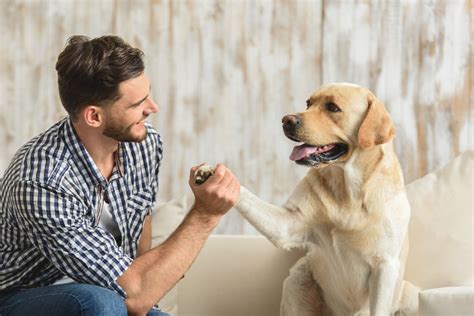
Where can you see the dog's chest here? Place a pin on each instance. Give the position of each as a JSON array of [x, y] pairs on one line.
[[339, 267]]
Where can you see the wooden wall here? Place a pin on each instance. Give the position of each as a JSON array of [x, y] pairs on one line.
[[224, 72]]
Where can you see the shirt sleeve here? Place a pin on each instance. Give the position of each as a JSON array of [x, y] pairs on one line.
[[58, 225]]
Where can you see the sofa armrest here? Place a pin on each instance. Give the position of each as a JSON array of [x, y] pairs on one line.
[[235, 275], [444, 301]]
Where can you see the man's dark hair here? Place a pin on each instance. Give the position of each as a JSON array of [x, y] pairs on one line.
[[90, 71]]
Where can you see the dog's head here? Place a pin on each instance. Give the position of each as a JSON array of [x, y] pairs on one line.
[[339, 119]]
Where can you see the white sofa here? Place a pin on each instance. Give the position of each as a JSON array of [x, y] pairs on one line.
[[243, 275]]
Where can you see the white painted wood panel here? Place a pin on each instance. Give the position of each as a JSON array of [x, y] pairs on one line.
[[225, 72]]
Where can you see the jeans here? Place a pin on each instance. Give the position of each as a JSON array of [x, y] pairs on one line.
[[65, 299]]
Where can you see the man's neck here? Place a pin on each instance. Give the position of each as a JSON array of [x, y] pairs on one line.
[[101, 148]]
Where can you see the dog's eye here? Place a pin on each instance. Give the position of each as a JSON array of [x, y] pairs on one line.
[[308, 103], [331, 107]]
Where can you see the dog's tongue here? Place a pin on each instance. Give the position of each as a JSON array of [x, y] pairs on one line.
[[302, 151]]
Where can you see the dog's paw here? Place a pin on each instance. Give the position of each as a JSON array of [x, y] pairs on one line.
[[203, 173]]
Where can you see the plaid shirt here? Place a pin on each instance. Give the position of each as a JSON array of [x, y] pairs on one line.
[[51, 199]]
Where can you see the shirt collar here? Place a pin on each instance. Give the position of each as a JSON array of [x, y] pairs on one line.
[[120, 159]]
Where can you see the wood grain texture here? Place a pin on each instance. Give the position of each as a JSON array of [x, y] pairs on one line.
[[225, 72]]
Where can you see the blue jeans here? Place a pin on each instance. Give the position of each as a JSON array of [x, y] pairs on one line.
[[65, 299]]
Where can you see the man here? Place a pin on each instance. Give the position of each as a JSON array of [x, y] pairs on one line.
[[75, 201]]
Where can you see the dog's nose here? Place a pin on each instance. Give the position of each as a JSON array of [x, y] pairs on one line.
[[290, 122]]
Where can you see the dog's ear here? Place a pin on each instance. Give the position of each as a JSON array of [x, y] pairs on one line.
[[377, 127]]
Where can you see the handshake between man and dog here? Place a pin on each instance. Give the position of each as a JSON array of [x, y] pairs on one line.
[[350, 212]]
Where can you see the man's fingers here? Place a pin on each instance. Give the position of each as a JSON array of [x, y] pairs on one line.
[[235, 190], [226, 181], [216, 178], [222, 182], [231, 186], [236, 187]]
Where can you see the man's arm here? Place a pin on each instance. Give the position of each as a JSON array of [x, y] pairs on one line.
[[155, 272]]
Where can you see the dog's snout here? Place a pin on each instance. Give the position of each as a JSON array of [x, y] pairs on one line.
[[290, 122]]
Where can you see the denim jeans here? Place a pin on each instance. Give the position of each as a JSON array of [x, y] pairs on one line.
[[65, 299]]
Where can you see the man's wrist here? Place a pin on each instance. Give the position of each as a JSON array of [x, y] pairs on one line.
[[203, 217]]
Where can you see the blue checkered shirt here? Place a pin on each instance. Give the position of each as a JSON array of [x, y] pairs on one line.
[[51, 198]]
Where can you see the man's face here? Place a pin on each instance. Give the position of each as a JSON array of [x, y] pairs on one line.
[[124, 120]]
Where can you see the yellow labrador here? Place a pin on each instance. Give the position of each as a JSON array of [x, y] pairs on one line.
[[350, 211]]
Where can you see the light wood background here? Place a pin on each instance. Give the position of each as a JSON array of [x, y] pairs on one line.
[[225, 72]]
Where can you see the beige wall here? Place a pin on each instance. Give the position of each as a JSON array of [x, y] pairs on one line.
[[225, 72]]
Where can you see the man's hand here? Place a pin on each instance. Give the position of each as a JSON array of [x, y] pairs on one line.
[[217, 195]]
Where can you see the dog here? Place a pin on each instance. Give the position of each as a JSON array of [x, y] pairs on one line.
[[350, 212]]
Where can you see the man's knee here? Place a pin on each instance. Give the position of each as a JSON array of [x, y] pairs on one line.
[[96, 300]]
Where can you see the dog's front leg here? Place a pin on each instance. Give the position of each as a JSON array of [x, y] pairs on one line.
[[280, 225], [382, 285]]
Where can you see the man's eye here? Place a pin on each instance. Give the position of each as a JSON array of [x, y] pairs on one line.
[[332, 107]]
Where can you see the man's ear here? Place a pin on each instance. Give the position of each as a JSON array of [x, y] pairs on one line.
[[377, 127], [92, 115]]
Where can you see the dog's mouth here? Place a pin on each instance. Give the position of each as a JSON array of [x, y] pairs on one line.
[[312, 155]]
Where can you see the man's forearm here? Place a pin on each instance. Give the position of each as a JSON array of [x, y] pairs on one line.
[[154, 273], [144, 243]]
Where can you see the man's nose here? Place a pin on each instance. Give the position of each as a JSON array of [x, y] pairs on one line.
[[290, 122], [151, 107]]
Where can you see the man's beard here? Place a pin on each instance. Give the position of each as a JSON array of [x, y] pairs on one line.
[[123, 134]]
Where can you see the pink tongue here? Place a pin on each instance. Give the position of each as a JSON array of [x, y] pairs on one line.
[[302, 151]]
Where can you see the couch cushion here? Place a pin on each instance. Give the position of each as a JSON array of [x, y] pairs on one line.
[[447, 301], [166, 218], [441, 226], [236, 275]]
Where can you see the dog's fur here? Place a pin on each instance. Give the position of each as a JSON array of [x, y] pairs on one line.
[[350, 212]]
